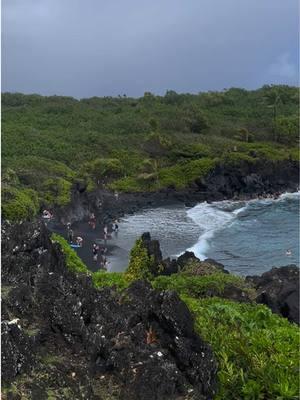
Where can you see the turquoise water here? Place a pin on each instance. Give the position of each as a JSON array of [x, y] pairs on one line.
[[248, 237]]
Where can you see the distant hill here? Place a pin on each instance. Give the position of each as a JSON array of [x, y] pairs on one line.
[[131, 144]]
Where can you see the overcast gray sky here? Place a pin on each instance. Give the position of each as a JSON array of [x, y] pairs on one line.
[[85, 48]]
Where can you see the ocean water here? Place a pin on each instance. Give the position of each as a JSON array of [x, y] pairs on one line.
[[248, 237]]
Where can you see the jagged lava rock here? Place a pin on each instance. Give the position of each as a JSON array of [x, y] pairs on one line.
[[153, 247], [279, 290], [103, 335]]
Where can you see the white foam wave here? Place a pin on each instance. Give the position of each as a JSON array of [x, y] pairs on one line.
[[287, 195], [217, 215], [211, 218]]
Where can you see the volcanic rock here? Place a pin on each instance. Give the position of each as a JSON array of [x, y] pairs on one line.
[[61, 335], [279, 290]]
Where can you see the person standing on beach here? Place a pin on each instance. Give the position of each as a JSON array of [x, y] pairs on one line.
[[105, 233], [95, 252], [70, 235], [115, 226], [105, 266], [92, 221]]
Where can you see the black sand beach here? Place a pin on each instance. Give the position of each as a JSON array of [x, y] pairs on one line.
[[90, 236]]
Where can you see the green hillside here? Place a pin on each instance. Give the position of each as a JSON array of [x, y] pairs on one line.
[[142, 144]]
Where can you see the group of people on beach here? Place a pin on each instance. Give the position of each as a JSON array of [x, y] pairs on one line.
[[102, 251], [98, 252]]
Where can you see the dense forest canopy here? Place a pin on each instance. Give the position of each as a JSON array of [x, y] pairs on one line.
[[130, 144]]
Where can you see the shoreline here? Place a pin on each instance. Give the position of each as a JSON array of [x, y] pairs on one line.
[[243, 182], [114, 251]]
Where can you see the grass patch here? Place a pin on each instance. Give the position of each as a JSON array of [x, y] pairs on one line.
[[200, 286], [109, 279]]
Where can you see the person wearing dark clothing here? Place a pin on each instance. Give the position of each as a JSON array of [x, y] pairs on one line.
[[115, 226], [70, 235]]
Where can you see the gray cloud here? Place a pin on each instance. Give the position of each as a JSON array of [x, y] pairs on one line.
[[88, 48]]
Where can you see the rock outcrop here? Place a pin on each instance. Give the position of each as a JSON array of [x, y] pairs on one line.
[[279, 290], [153, 248], [187, 262], [226, 182], [65, 339]]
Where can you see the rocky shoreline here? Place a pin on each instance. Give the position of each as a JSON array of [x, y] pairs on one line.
[[245, 182], [62, 336], [60, 333]]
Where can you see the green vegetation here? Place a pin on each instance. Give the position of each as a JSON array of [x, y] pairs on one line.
[[140, 264], [201, 286], [19, 204], [257, 351], [127, 144], [154, 142], [73, 261], [110, 279]]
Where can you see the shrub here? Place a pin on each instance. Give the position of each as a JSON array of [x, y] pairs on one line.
[[19, 204], [9, 177], [57, 191], [200, 286], [140, 263], [294, 154], [104, 168], [235, 159], [182, 174], [156, 145], [257, 351], [128, 184]]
